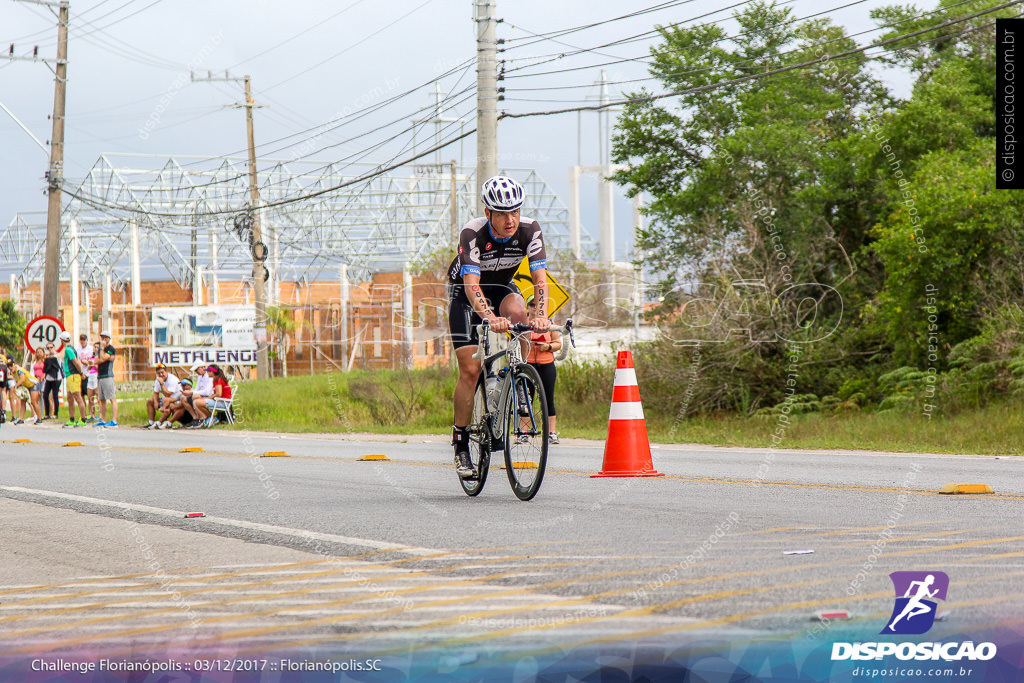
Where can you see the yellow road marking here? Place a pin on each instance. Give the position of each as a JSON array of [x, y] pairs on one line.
[[285, 594], [324, 560], [589, 599], [125, 577], [899, 539], [871, 528]]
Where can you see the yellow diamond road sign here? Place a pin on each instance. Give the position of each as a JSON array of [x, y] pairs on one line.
[[558, 295]]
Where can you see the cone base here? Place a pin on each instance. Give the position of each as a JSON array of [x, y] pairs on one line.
[[629, 474]]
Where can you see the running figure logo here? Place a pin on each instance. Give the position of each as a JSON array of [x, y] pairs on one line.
[[914, 612]]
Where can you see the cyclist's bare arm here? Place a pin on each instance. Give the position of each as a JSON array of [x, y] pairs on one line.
[[540, 292], [479, 303]]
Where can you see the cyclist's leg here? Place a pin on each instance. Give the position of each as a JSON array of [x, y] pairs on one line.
[[469, 372], [461, 320]]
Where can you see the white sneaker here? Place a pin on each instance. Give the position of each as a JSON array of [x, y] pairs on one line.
[[553, 437], [152, 425], [164, 425]]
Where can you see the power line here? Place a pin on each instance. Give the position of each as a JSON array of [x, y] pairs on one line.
[[643, 60], [350, 47], [766, 74], [740, 64], [291, 200], [355, 116], [301, 33], [630, 39], [564, 32]]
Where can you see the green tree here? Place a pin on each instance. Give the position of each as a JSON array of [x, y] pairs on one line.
[[953, 251], [758, 202], [12, 327]]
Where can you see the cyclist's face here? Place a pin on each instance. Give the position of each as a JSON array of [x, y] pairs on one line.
[[504, 222]]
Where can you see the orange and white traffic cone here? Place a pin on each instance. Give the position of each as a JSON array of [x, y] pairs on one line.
[[627, 452]]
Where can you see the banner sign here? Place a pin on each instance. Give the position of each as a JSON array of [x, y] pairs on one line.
[[211, 334]]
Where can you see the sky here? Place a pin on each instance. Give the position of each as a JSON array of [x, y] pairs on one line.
[[310, 60]]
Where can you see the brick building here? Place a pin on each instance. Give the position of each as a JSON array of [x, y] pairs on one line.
[[378, 333]]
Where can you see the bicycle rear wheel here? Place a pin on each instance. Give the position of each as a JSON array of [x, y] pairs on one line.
[[526, 433], [479, 442]]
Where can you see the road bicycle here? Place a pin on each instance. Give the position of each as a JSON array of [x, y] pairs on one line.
[[510, 413]]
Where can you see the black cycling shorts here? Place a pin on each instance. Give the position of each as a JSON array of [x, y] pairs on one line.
[[462, 319]]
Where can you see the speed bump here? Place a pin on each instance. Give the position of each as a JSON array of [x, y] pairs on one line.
[[276, 454], [23, 441], [374, 456], [966, 488], [73, 443], [523, 465], [192, 449]]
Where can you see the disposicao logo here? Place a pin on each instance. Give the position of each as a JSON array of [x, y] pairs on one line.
[[914, 612]]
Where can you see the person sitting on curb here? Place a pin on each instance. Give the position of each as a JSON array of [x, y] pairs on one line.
[[166, 390]]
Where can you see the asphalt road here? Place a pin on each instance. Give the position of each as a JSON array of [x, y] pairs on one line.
[[319, 549]]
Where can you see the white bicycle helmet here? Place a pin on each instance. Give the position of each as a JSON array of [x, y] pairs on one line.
[[501, 193]]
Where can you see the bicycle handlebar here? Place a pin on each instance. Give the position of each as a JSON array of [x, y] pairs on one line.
[[482, 349]]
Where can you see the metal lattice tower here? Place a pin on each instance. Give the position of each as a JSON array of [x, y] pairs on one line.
[[185, 206]]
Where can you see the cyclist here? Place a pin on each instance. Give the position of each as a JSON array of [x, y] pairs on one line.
[[480, 287]]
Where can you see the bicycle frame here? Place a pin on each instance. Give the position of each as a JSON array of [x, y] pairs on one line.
[[507, 388]]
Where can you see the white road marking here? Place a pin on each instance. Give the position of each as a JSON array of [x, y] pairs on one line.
[[224, 521]]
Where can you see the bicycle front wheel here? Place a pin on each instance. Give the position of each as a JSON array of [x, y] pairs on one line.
[[526, 432], [479, 442]]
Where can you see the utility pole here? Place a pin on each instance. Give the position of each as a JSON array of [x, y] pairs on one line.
[[259, 271], [454, 199], [55, 176], [55, 173], [486, 94]]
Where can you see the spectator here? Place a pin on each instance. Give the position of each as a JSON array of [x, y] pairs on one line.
[[21, 395], [51, 388], [177, 413], [84, 349], [166, 390], [73, 369], [39, 373], [220, 400], [105, 380], [3, 386], [92, 381], [203, 390], [542, 357]]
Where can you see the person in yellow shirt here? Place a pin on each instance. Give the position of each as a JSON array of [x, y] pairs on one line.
[[21, 396]]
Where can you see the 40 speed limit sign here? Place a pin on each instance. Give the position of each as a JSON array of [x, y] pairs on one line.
[[42, 331]]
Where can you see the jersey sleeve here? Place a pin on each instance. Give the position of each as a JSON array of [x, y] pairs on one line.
[[469, 252], [535, 251]]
